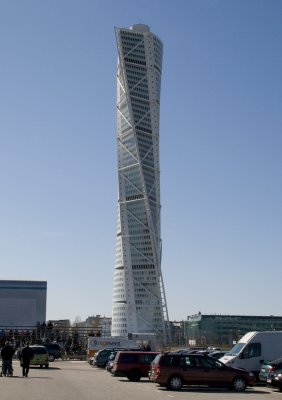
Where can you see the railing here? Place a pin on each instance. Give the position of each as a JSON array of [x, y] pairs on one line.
[[72, 339]]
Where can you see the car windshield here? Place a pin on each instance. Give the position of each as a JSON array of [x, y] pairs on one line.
[[102, 352], [236, 349], [207, 362]]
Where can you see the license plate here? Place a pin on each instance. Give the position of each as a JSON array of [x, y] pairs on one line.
[[268, 380]]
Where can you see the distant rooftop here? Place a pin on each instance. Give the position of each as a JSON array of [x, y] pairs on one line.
[[22, 284]]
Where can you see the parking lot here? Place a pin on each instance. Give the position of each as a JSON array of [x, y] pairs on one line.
[[72, 380]]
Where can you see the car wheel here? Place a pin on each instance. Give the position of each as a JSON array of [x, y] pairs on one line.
[[134, 375], [175, 383], [239, 384], [41, 366], [51, 357], [46, 365]]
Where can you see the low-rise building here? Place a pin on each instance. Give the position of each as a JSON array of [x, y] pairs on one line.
[[95, 325], [225, 330]]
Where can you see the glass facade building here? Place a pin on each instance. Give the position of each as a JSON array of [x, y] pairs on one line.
[[22, 303], [225, 330], [139, 303]]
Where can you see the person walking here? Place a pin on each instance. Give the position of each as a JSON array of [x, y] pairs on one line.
[[7, 355], [26, 356]]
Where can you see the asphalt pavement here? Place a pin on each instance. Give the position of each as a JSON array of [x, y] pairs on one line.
[[77, 380]]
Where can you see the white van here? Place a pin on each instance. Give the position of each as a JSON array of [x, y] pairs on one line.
[[253, 349]]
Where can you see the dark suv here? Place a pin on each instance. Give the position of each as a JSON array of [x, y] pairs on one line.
[[133, 364], [173, 370], [102, 356], [54, 351]]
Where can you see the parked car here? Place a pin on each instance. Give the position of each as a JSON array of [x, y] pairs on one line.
[[269, 367], [173, 370], [54, 351], [217, 354], [40, 356], [91, 360], [109, 366], [274, 379], [102, 356], [110, 362], [188, 350], [133, 364]]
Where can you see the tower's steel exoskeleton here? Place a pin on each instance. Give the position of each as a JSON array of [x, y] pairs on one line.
[[139, 303]]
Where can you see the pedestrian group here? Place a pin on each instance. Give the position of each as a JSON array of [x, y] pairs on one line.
[[25, 355]]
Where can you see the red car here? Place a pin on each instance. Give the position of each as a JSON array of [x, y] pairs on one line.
[[173, 370], [133, 364]]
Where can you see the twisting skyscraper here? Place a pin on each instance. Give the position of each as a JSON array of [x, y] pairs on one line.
[[139, 304]]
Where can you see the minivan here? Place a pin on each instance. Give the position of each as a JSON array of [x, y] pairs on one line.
[[173, 370], [133, 364], [40, 356]]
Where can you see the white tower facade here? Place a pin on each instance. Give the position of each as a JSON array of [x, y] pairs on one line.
[[139, 303]]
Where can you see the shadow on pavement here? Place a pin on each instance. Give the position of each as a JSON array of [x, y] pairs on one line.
[[248, 391]]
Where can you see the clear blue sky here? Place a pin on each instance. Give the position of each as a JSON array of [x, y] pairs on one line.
[[220, 151]]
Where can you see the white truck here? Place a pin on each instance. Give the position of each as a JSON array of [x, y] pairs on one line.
[[136, 341], [253, 349], [98, 343]]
